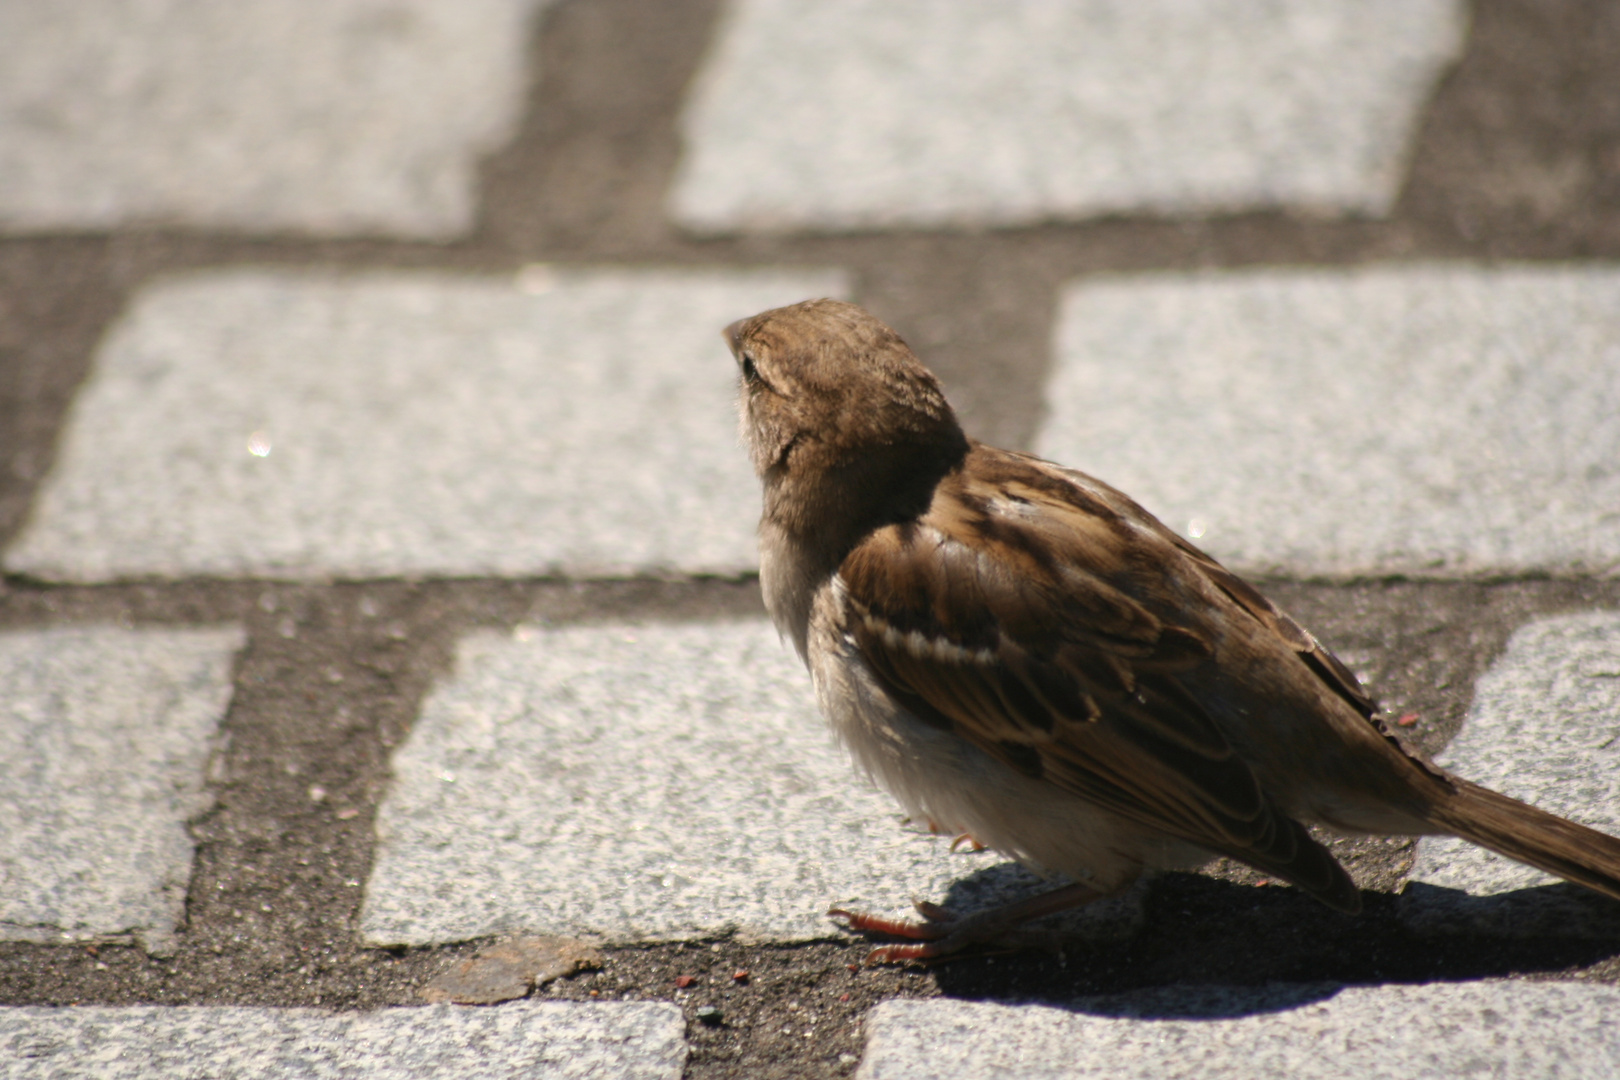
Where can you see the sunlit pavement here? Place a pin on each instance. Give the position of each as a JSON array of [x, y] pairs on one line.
[[379, 545]]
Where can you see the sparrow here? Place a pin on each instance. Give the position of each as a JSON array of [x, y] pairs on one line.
[[1021, 654]]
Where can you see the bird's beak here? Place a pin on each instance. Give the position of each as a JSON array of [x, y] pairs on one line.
[[731, 334]]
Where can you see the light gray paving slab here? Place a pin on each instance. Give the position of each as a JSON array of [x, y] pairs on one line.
[[647, 783], [1425, 419], [1504, 1030], [105, 735], [298, 425], [1545, 728], [878, 113], [365, 117], [531, 1040]]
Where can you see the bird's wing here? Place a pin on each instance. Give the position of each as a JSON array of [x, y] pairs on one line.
[[1010, 613], [1328, 667], [1271, 620]]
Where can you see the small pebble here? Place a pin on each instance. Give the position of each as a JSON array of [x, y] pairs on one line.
[[683, 981], [709, 1015]]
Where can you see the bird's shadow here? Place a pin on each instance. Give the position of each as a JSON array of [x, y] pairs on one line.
[[1559, 910], [1188, 946]]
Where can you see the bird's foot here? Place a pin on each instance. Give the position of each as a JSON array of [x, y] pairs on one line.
[[943, 932], [934, 936]]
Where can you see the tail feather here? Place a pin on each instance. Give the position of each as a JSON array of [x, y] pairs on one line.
[[1534, 837]]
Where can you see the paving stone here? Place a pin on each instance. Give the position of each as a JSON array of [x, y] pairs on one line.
[[1505, 1030], [1544, 728], [293, 425], [105, 735], [532, 1040], [1031, 110], [1427, 419], [365, 117], [639, 783]]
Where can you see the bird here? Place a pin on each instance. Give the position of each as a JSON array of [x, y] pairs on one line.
[[1021, 654]]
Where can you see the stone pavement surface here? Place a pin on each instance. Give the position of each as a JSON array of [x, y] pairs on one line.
[[105, 738], [1430, 1032], [1397, 419], [378, 549], [1026, 110], [1545, 728], [289, 425], [535, 1041], [643, 783], [262, 116]]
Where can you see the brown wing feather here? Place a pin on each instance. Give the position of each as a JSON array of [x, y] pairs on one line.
[[1326, 666], [1322, 663], [1010, 629]]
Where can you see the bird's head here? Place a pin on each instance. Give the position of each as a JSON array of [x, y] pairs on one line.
[[824, 385], [847, 429]]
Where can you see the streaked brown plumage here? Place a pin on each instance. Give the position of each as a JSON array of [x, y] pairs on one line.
[[1021, 653]]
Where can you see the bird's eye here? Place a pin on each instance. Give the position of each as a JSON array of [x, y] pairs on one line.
[[749, 371]]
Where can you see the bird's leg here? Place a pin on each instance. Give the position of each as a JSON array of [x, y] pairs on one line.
[[943, 931]]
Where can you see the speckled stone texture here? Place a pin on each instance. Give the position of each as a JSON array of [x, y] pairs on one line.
[[534, 1041], [1021, 111], [645, 783], [105, 737], [1427, 419], [365, 117], [1505, 1030], [282, 424]]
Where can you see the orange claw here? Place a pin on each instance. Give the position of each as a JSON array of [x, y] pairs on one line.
[[943, 932], [969, 841], [897, 954], [927, 935], [877, 924]]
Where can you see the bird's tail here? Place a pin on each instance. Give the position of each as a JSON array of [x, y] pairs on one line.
[[1535, 837]]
